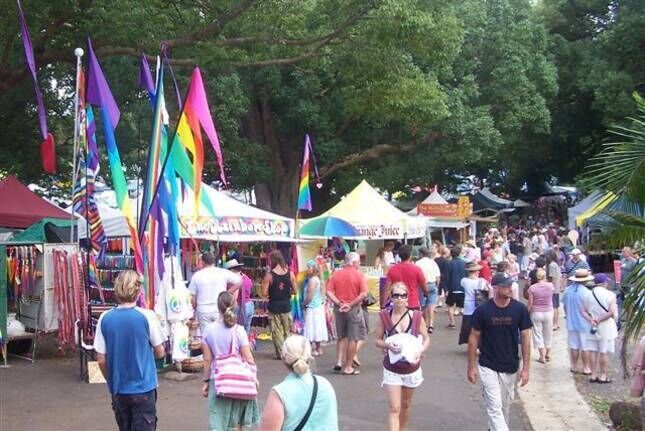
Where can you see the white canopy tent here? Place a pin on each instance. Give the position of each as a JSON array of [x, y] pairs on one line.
[[374, 216], [234, 221]]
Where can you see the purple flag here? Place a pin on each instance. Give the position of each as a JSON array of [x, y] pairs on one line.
[[31, 63], [145, 77], [98, 91]]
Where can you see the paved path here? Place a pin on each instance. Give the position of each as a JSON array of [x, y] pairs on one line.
[[48, 395], [551, 399]]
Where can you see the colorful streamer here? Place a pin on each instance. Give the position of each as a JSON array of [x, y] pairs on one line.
[[304, 195], [99, 94]]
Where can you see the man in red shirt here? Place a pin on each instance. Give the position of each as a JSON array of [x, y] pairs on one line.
[[410, 274], [346, 289], [486, 272]]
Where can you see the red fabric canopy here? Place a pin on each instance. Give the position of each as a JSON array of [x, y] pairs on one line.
[[20, 207]]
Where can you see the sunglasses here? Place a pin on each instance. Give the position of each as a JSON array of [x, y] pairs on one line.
[[399, 296]]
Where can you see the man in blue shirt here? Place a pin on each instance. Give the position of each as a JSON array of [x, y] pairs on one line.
[[127, 340], [576, 261], [577, 326]]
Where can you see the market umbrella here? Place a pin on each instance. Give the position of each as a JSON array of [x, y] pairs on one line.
[[329, 226]]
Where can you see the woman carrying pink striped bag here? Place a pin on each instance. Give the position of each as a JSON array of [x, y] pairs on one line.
[[230, 381]]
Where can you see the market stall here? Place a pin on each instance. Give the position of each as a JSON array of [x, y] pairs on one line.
[[376, 220], [444, 221]]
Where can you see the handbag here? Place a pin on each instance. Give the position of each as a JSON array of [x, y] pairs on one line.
[[234, 377], [618, 324], [305, 418], [369, 300]]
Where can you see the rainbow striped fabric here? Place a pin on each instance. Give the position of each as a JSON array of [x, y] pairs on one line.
[[304, 195]]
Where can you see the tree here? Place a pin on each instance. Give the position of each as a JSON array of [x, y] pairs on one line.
[[397, 91], [620, 168], [597, 47]]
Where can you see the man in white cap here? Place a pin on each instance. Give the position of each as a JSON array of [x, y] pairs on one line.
[[578, 327], [575, 262]]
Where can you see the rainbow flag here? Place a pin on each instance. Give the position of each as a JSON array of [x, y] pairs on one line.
[[99, 94], [304, 195]]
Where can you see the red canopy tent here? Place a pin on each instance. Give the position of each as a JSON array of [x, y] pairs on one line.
[[20, 207]]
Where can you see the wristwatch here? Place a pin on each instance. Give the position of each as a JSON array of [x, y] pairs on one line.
[[206, 380]]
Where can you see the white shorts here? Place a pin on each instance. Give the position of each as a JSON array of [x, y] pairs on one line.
[[576, 340], [411, 380], [600, 345]]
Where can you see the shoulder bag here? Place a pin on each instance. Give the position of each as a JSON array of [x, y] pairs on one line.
[[618, 324], [233, 376], [305, 418]]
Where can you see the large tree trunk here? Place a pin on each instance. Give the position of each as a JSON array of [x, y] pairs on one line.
[[279, 195]]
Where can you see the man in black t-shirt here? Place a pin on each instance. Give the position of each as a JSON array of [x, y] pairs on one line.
[[497, 328]]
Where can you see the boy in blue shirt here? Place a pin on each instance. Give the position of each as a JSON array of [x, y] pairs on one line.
[[127, 340]]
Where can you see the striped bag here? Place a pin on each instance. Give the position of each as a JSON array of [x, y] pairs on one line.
[[233, 377]]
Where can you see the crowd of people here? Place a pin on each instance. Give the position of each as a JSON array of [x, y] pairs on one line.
[[508, 287]]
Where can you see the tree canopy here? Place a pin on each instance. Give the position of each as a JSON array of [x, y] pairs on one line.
[[401, 92]]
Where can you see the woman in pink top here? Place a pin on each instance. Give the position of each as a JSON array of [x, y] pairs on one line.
[[540, 306]]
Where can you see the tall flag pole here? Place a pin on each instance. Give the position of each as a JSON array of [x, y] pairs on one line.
[[99, 94], [80, 86], [48, 146]]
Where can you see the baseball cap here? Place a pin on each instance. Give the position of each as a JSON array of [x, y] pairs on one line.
[[601, 278], [501, 280], [575, 251]]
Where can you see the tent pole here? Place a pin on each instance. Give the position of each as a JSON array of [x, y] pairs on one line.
[[78, 52]]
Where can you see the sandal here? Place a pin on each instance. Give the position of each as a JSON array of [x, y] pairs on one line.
[[596, 380], [430, 329], [452, 326], [607, 380], [541, 361], [337, 368], [356, 363], [353, 373]]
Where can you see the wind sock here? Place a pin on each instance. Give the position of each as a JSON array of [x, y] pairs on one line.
[[48, 146], [99, 94], [196, 113]]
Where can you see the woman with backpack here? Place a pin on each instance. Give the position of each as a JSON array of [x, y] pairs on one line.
[[475, 291], [398, 333]]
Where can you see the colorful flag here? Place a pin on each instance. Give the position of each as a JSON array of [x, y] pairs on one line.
[[304, 195], [99, 94], [48, 146]]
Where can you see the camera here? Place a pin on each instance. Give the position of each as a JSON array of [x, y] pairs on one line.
[[594, 330]]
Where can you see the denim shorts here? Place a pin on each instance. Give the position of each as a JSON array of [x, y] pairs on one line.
[[430, 298]]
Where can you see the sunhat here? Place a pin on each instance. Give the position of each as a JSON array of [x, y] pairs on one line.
[[581, 275], [233, 263]]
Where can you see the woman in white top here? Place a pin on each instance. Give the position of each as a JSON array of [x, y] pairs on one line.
[[471, 284], [600, 311], [314, 303]]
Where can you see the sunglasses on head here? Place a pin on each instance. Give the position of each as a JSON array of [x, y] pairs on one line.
[[399, 296]]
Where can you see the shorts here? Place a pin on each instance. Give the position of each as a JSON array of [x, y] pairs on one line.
[[350, 325], [600, 345], [556, 301], [412, 380], [455, 298], [430, 298], [136, 411], [576, 340]]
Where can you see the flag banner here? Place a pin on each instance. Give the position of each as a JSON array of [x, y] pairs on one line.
[[48, 146], [99, 94], [304, 195]]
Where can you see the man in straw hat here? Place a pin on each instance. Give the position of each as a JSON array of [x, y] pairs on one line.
[[496, 328], [577, 326]]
